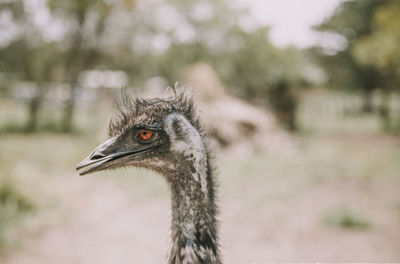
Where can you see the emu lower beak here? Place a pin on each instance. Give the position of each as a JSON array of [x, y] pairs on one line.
[[103, 156]]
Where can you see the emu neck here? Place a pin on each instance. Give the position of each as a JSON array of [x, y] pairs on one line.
[[194, 232]]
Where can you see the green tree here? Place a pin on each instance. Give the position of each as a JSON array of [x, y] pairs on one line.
[[28, 57], [381, 49], [81, 49], [352, 20]]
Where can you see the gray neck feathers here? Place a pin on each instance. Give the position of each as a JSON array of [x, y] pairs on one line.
[[194, 232]]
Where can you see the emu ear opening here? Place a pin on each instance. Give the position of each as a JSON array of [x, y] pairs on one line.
[[181, 133]]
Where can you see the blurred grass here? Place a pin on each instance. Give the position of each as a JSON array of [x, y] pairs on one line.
[[337, 147], [347, 219], [13, 205]]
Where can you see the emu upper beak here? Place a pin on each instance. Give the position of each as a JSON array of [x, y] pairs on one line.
[[103, 156]]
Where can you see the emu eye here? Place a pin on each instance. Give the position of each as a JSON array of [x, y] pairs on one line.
[[145, 135]]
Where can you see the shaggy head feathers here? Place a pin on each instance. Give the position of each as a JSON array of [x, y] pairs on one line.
[[151, 112]]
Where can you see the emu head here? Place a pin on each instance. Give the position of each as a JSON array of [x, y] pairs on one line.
[[158, 134]]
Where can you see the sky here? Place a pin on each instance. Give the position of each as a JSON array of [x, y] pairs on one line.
[[291, 21]]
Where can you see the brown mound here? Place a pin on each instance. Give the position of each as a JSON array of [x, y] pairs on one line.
[[234, 124]]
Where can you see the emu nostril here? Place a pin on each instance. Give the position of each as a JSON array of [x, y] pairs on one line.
[[97, 156]]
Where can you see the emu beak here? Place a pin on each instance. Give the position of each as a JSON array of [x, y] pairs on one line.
[[103, 156], [99, 156]]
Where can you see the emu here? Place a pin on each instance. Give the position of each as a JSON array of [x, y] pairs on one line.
[[165, 135]]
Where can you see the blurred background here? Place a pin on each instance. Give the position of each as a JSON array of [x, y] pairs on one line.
[[301, 99]]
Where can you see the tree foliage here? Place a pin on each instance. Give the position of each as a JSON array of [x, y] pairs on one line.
[[370, 60], [144, 39], [352, 20], [381, 48]]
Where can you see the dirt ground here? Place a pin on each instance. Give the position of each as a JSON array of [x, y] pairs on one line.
[[264, 219]]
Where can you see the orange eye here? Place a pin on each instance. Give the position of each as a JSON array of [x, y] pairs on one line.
[[145, 134]]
